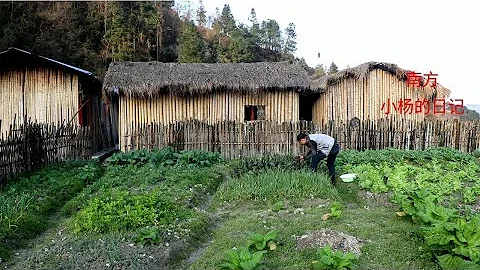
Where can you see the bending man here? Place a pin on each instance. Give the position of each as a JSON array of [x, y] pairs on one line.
[[321, 146]]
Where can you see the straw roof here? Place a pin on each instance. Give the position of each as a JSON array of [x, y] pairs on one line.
[[151, 78], [362, 71]]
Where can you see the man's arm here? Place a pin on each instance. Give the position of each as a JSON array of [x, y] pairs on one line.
[[313, 149]]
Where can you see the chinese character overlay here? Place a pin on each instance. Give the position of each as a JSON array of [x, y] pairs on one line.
[[407, 106]]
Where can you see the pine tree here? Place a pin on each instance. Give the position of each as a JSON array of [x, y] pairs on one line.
[[305, 66], [255, 28], [191, 47], [290, 40], [332, 69], [319, 71], [227, 21], [271, 36], [118, 36], [240, 47], [201, 15]]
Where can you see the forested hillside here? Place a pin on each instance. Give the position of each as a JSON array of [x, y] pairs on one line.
[[92, 34]]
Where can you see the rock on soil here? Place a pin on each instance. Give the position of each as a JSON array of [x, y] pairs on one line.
[[338, 241]]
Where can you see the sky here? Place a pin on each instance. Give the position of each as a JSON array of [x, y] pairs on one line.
[[417, 35]]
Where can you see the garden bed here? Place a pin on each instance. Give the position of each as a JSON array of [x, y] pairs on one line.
[[192, 210]]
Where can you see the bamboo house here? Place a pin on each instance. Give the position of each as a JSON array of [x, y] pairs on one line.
[[36, 88], [367, 92], [154, 92]]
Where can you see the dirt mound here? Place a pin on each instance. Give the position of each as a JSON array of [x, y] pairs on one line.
[[325, 237]]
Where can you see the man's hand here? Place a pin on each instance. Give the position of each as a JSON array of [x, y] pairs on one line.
[[301, 158]]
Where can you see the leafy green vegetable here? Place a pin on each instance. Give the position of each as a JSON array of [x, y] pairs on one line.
[[336, 209], [242, 259], [329, 259], [149, 236], [262, 242]]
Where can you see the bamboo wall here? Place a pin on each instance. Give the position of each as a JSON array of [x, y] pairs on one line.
[[364, 99], [280, 106], [44, 95]]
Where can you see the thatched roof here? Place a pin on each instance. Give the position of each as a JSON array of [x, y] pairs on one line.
[[362, 71], [150, 78]]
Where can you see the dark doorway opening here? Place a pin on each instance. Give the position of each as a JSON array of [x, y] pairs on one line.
[[305, 108]]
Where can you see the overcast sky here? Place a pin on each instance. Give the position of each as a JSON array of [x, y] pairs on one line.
[[423, 36]]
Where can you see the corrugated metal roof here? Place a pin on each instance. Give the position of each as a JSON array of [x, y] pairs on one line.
[[51, 60]]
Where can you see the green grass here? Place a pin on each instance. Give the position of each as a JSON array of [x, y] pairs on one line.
[[272, 185], [388, 238]]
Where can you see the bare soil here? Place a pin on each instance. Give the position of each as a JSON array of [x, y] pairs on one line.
[[337, 240]]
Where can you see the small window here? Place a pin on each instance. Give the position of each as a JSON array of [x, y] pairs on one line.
[[253, 113]]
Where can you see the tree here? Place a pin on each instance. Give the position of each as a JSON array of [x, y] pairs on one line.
[[305, 66], [118, 43], [241, 47], [201, 15], [227, 21], [290, 40], [191, 49], [319, 71], [255, 28], [271, 36], [332, 69]]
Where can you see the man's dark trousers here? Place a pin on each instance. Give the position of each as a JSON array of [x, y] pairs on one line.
[[330, 161]]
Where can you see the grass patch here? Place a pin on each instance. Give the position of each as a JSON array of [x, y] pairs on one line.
[[273, 185], [389, 245]]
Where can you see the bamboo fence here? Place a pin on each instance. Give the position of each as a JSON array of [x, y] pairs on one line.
[[235, 139], [33, 145]]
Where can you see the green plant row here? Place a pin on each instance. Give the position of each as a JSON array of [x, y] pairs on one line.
[[166, 157], [392, 156], [27, 202], [425, 194]]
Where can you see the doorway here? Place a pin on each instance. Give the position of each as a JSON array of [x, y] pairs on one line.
[[305, 108]]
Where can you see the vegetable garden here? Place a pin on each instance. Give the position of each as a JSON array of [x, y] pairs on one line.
[[194, 210]]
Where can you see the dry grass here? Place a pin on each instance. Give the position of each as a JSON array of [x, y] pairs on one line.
[[151, 78]]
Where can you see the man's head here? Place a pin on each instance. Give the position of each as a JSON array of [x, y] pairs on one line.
[[302, 138]]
